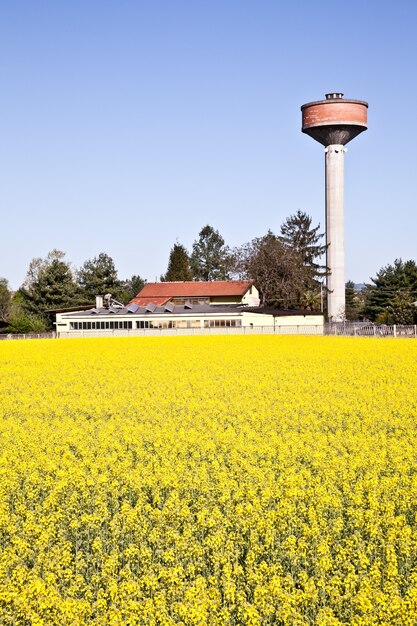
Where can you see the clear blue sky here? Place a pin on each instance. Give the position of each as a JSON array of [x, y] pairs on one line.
[[126, 125]]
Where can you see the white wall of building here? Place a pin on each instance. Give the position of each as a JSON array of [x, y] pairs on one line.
[[110, 324]]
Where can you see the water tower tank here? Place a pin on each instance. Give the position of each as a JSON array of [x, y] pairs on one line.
[[334, 120]]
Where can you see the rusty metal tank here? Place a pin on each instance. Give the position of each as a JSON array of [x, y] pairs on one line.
[[334, 120]]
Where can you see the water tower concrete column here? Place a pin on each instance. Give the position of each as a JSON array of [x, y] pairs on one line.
[[335, 230]]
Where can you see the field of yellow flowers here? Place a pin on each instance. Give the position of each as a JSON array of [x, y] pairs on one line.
[[208, 481]]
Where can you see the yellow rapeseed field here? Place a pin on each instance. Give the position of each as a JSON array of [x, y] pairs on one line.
[[208, 481]]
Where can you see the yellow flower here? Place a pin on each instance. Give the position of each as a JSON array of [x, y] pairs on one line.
[[208, 481]]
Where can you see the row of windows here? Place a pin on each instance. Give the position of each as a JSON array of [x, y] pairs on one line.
[[217, 323], [168, 324], [100, 325], [156, 324]]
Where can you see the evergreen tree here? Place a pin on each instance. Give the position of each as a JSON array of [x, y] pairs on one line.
[[298, 234], [178, 265], [210, 258], [402, 309], [390, 281], [354, 302], [49, 284], [98, 276]]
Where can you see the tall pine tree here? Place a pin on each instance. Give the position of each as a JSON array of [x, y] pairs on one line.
[[178, 265], [298, 234], [354, 302]]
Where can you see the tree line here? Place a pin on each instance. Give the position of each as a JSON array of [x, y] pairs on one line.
[[390, 297], [289, 272], [288, 269], [52, 283]]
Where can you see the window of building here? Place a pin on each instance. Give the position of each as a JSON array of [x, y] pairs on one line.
[[222, 323], [142, 324], [113, 325]]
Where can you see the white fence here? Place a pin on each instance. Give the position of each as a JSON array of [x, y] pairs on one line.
[[51, 335], [166, 332], [365, 329], [341, 329]]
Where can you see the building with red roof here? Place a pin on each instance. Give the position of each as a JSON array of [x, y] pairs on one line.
[[241, 292], [186, 307]]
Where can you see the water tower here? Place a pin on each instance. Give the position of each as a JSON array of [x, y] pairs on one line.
[[334, 122]]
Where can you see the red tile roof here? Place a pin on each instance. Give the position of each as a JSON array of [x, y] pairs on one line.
[[160, 293]]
